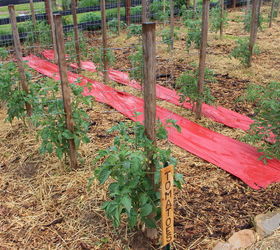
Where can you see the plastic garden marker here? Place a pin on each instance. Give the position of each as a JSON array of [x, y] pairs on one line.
[[167, 205]]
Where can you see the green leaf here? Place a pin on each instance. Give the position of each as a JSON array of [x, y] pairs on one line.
[[126, 202], [132, 218], [143, 199], [150, 223], [67, 134], [146, 210], [103, 175], [59, 153]]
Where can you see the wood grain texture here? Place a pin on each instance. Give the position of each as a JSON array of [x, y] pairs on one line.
[[66, 91]]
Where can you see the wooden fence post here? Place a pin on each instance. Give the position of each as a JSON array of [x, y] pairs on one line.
[[253, 29], [202, 55], [51, 22], [18, 52], [127, 12], [76, 32], [104, 41], [194, 5], [271, 13], [47, 9], [119, 17], [222, 6], [171, 24], [66, 91], [234, 4], [144, 11], [149, 56], [32, 12]]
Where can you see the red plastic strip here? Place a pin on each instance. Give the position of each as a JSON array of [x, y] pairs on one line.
[[218, 113], [235, 157]]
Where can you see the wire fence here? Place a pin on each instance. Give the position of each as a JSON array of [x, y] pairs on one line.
[[89, 16]]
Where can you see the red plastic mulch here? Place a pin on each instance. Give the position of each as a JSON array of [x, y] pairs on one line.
[[235, 157], [218, 114]]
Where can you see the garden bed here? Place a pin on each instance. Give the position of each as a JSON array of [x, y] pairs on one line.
[[45, 205]]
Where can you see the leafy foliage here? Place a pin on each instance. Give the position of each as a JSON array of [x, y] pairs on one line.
[[137, 63], [166, 36], [266, 127], [160, 10], [70, 44], [3, 54], [247, 21], [66, 4], [88, 3], [192, 21], [187, 87], [10, 92], [216, 19], [131, 191], [40, 33], [188, 14], [134, 30], [98, 57], [113, 25], [49, 116], [241, 51], [92, 17]]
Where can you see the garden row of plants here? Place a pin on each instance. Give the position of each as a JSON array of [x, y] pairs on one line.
[[125, 162]]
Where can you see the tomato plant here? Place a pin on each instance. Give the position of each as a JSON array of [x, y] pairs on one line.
[[126, 163], [241, 51], [49, 117], [11, 93], [266, 126], [136, 60], [187, 87]]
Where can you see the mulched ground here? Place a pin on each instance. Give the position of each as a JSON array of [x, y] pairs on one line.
[[44, 205]]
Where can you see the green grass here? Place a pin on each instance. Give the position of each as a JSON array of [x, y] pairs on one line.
[[6, 29], [24, 7]]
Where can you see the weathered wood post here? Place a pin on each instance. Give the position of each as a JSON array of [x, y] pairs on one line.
[[127, 12], [144, 11], [222, 6], [234, 4], [149, 54], [47, 9], [18, 52], [119, 17], [202, 55], [104, 41], [66, 91], [253, 29], [171, 24], [32, 12], [271, 13], [48, 5], [76, 32]]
